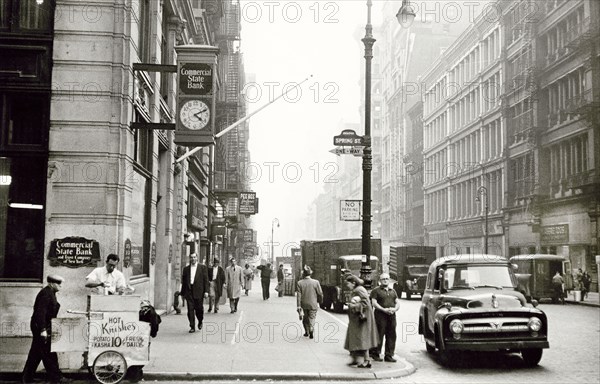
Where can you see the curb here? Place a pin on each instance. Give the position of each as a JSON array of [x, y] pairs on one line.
[[283, 376]]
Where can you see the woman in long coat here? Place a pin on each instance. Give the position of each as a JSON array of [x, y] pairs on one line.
[[248, 277], [362, 331], [234, 281]]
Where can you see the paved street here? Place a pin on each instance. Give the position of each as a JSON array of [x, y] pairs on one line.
[[264, 337], [573, 356]]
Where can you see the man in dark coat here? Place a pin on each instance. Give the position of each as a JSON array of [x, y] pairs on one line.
[[216, 276], [44, 310], [194, 287], [265, 279]]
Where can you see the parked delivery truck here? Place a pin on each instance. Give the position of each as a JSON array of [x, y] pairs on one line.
[[331, 260], [408, 266]]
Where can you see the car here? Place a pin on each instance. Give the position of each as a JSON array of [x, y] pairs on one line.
[[472, 303]]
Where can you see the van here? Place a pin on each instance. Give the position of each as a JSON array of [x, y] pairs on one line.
[[535, 271]]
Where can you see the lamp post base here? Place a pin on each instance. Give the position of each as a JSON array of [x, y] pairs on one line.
[[366, 275]]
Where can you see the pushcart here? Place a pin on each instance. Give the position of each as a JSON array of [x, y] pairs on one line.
[[115, 342]]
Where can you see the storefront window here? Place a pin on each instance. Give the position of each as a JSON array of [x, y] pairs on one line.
[[22, 200], [29, 16]]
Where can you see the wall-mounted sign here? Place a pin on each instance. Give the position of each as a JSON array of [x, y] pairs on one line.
[[555, 234], [247, 203], [137, 259], [195, 79], [74, 252], [350, 210], [170, 253], [127, 254], [153, 253]]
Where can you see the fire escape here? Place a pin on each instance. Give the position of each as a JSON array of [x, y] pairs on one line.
[[522, 108], [231, 151], [584, 41]]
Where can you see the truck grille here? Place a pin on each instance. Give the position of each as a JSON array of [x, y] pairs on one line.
[[496, 325]]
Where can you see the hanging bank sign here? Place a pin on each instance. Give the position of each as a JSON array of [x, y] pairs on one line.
[[196, 83]]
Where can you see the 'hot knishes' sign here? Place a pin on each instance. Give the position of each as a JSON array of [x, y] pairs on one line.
[[122, 332]]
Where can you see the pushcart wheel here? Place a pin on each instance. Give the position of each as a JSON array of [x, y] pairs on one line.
[[110, 367]]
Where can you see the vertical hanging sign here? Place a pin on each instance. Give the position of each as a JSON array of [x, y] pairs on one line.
[[196, 86]]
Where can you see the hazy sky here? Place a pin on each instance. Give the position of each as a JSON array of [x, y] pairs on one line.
[[284, 43]]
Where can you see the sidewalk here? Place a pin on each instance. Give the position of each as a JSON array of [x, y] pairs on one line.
[[262, 341], [592, 300]]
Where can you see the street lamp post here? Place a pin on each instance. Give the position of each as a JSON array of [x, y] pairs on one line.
[[482, 191], [275, 220], [367, 164], [405, 14]]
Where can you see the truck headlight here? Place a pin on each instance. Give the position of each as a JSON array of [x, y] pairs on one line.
[[534, 324], [456, 326]]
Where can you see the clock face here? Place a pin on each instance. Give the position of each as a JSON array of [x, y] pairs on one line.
[[194, 114]]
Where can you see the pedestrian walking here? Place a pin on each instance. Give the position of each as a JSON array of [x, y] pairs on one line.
[[216, 278], [234, 283], [265, 279], [361, 335], [280, 277], [45, 309], [308, 296], [248, 277], [194, 288], [385, 305], [557, 285], [578, 279], [586, 281]]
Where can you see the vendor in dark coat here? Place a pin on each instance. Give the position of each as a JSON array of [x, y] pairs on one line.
[[45, 309]]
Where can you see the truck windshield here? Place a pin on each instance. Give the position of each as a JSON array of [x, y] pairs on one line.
[[477, 276], [418, 270], [355, 265]]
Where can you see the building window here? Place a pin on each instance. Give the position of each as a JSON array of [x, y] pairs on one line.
[[26, 16], [23, 165], [144, 32], [523, 175], [141, 183]]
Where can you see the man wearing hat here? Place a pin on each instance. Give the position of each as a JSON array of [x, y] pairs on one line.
[[216, 278], [385, 305], [45, 309], [308, 296]]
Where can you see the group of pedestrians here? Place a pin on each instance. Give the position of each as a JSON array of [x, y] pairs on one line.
[[199, 282], [371, 317]]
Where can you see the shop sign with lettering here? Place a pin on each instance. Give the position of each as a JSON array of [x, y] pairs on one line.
[[74, 252], [195, 79], [121, 331], [247, 205], [555, 234]]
